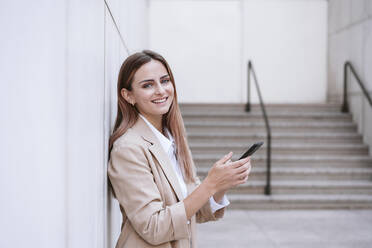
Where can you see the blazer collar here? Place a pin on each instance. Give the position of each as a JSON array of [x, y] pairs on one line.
[[157, 150]]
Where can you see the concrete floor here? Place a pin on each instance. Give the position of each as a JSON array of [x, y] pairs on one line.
[[288, 228]]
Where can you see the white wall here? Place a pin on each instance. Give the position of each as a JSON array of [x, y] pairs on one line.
[[201, 40], [33, 114], [59, 64], [350, 38], [131, 18], [208, 44], [287, 41], [84, 124]]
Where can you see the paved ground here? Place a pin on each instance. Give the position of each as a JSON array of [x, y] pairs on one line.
[[289, 228]]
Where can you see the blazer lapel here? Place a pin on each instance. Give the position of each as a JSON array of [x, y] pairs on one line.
[[157, 150]]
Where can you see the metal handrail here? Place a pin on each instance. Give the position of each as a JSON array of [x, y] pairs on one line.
[[345, 104], [267, 124]]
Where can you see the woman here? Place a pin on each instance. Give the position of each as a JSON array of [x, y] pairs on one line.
[[151, 169]]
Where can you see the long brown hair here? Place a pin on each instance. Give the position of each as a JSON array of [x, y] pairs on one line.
[[127, 114]]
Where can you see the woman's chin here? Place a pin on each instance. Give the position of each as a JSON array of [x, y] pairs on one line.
[[158, 111], [161, 109]]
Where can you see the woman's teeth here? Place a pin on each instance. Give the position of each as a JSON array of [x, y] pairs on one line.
[[160, 100]]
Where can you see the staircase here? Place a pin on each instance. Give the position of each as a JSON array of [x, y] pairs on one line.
[[319, 160]]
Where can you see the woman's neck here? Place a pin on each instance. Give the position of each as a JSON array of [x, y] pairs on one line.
[[156, 121]]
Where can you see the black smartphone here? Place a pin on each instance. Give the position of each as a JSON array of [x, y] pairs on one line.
[[251, 150]]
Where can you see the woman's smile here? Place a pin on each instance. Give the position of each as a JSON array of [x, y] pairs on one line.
[[160, 101]]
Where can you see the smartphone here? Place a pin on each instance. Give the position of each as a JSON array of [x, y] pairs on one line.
[[251, 150]]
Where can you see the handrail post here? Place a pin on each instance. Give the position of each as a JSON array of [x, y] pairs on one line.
[[267, 189], [268, 174], [345, 105], [248, 105]]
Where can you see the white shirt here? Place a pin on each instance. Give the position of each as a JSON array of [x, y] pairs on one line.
[[170, 147]]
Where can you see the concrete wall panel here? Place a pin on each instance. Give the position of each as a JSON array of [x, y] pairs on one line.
[[285, 39], [84, 123], [202, 42], [115, 53], [356, 34], [359, 10], [32, 107], [131, 18], [339, 14], [351, 40], [57, 110], [339, 52], [367, 51]]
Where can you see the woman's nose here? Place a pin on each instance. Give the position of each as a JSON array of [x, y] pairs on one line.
[[159, 89]]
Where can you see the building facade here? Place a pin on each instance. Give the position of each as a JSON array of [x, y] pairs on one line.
[[59, 67]]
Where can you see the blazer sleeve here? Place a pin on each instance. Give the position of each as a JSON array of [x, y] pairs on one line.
[[205, 214], [134, 187]]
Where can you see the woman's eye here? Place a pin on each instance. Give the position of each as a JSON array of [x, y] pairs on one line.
[[165, 81], [147, 85]]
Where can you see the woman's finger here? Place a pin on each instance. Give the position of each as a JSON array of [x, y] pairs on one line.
[[240, 162], [243, 168], [244, 173], [244, 180], [225, 158]]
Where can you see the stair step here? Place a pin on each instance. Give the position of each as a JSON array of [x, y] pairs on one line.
[[290, 161], [213, 117], [318, 158], [282, 149], [305, 187], [293, 138], [197, 127], [241, 201], [240, 107], [309, 174]]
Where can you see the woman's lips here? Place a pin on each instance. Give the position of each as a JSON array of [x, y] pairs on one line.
[[160, 100]]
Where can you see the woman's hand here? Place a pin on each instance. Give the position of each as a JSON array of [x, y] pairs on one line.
[[226, 174], [222, 176]]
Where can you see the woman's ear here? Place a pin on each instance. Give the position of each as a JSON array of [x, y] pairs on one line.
[[127, 95]]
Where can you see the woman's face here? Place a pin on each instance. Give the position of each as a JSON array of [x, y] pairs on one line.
[[152, 91]]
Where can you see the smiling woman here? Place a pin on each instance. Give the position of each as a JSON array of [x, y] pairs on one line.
[[153, 95], [150, 168]]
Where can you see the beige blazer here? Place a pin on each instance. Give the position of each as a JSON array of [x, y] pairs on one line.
[[150, 197]]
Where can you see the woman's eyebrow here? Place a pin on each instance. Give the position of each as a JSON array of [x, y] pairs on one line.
[[166, 75], [146, 80], [150, 80]]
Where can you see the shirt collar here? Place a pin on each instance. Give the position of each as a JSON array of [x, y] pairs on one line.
[[166, 143]]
